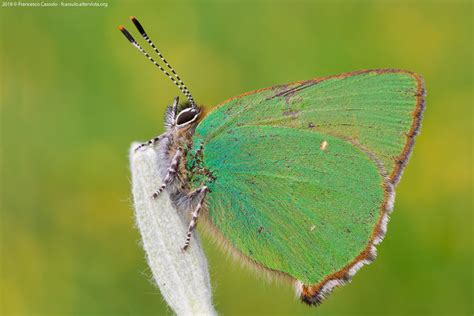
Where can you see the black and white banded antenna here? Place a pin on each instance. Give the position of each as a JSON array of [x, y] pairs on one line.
[[150, 42], [177, 81]]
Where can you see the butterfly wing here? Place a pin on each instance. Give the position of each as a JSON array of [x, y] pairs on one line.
[[303, 174]]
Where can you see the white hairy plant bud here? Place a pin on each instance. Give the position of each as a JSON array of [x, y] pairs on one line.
[[182, 277]]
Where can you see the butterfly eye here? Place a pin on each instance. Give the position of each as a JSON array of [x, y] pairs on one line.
[[187, 116]]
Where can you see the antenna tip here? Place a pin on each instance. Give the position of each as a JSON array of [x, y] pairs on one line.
[[138, 26], [126, 34]]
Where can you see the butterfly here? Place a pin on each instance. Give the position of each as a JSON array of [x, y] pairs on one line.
[[297, 179]]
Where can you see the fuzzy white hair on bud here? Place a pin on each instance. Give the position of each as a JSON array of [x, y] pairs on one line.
[[182, 277]]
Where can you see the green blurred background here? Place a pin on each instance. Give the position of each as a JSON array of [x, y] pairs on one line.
[[75, 94]]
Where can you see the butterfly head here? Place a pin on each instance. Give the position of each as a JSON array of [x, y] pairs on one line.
[[181, 116]]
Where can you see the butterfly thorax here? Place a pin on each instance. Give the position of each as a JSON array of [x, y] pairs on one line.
[[192, 173], [180, 140], [180, 124], [197, 173]]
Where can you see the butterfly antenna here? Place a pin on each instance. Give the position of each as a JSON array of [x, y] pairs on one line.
[[150, 42], [130, 38]]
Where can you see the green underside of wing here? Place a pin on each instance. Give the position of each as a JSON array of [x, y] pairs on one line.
[[289, 205], [281, 200]]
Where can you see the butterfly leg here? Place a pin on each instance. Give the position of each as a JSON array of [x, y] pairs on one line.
[[171, 172], [197, 210], [151, 142], [191, 195]]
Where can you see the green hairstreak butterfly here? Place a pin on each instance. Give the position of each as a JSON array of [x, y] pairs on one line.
[[297, 179]]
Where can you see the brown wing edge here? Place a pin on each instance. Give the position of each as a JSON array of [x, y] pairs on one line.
[[316, 293]]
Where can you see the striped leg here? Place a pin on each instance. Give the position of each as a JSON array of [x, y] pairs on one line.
[[171, 172], [192, 224], [151, 142]]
